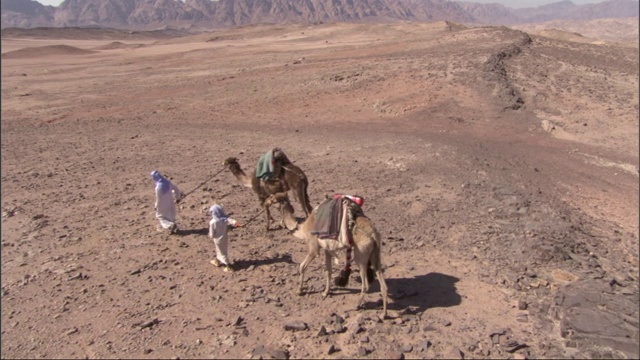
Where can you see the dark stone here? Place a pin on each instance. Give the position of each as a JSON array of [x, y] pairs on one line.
[[457, 353], [362, 351], [280, 354], [322, 331], [295, 325], [426, 345], [522, 305], [514, 346], [428, 328]]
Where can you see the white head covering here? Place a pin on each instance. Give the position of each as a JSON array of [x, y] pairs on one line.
[[161, 181], [216, 211]]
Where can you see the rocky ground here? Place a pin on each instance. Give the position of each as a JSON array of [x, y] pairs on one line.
[[500, 168]]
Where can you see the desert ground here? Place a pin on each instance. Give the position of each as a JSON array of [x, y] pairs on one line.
[[500, 168]]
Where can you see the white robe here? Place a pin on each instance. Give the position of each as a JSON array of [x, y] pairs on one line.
[[218, 232], [165, 206], [218, 227]]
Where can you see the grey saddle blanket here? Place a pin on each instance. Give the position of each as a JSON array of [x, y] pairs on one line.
[[335, 219]]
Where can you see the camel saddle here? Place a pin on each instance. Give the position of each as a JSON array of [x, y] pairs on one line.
[[335, 218], [270, 164]]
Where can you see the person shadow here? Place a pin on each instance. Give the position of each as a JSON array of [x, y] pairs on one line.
[[245, 264], [185, 232], [419, 293]]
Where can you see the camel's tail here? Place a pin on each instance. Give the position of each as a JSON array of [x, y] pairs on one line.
[[306, 201], [376, 258]]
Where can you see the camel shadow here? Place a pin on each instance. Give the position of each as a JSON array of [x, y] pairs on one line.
[[421, 292], [245, 264]]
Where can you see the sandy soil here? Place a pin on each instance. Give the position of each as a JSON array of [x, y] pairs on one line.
[[501, 170]]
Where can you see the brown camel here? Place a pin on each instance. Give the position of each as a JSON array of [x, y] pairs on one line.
[[366, 248], [293, 178]]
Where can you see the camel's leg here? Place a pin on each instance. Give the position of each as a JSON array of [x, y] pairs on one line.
[[327, 270], [383, 292], [362, 260], [313, 251], [269, 218], [277, 198]]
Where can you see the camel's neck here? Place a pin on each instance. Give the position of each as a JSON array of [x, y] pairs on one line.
[[303, 230], [237, 171]]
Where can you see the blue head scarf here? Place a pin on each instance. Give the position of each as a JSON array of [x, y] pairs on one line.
[[217, 212], [161, 181]]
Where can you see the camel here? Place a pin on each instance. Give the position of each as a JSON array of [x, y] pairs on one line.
[[366, 248], [293, 178]]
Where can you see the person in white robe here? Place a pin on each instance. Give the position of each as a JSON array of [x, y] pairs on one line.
[[218, 226], [165, 205]]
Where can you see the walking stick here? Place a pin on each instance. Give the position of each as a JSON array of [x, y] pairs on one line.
[[253, 218], [197, 187]]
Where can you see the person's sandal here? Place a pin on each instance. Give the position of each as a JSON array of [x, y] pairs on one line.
[[215, 262], [228, 269]]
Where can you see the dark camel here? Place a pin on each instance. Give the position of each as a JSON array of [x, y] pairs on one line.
[[292, 179]]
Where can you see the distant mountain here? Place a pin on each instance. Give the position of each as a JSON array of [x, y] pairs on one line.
[[566, 10], [495, 14], [25, 13], [207, 14]]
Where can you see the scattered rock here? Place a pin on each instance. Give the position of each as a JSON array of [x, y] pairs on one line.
[[322, 331], [426, 345], [149, 324], [428, 328], [406, 348], [522, 305], [296, 326], [280, 354], [362, 351]]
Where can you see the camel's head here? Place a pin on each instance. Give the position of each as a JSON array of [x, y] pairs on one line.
[[230, 161]]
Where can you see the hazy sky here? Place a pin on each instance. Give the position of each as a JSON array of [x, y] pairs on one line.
[[509, 3]]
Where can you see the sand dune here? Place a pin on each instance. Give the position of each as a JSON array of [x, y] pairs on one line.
[[42, 51]]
